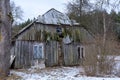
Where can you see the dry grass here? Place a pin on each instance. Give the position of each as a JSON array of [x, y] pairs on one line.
[[13, 77], [102, 65]]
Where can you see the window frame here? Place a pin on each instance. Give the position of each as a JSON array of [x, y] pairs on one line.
[[39, 52], [81, 52]]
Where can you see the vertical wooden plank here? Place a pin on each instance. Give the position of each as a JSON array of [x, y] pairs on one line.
[[25, 54], [18, 51], [63, 53], [29, 63], [16, 54], [68, 54], [51, 54], [22, 53], [74, 57], [48, 57], [76, 51], [55, 51], [26, 48], [57, 56], [31, 52]]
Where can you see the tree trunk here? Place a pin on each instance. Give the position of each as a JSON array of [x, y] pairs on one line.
[[5, 37], [80, 11]]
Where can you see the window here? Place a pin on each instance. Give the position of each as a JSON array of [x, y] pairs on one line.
[[59, 30], [38, 51], [81, 52]]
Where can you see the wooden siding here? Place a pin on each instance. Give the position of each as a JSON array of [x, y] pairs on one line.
[[52, 54], [70, 54], [23, 50], [38, 29]]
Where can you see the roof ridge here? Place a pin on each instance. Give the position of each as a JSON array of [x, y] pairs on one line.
[[51, 10]]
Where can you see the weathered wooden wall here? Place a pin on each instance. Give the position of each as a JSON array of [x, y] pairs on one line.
[[70, 54], [24, 54], [23, 50], [37, 29], [52, 53]]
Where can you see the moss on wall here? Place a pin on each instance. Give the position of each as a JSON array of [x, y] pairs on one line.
[[43, 34]]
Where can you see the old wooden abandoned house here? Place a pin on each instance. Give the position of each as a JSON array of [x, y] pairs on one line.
[[54, 38]]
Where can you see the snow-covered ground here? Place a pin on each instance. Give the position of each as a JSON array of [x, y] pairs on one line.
[[39, 72], [57, 73]]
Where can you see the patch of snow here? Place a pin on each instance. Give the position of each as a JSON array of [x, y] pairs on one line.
[[59, 73], [117, 58], [38, 64]]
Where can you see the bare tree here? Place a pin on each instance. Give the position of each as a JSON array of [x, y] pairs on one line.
[[77, 8], [106, 37], [17, 12], [5, 40]]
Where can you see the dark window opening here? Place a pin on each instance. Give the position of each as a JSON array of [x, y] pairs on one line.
[[80, 52], [59, 30]]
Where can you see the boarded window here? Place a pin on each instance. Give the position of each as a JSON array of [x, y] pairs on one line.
[[81, 52], [38, 51]]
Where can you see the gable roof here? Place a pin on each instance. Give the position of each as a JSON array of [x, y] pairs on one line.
[[53, 16]]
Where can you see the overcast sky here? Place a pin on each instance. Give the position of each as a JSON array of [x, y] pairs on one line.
[[33, 8]]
